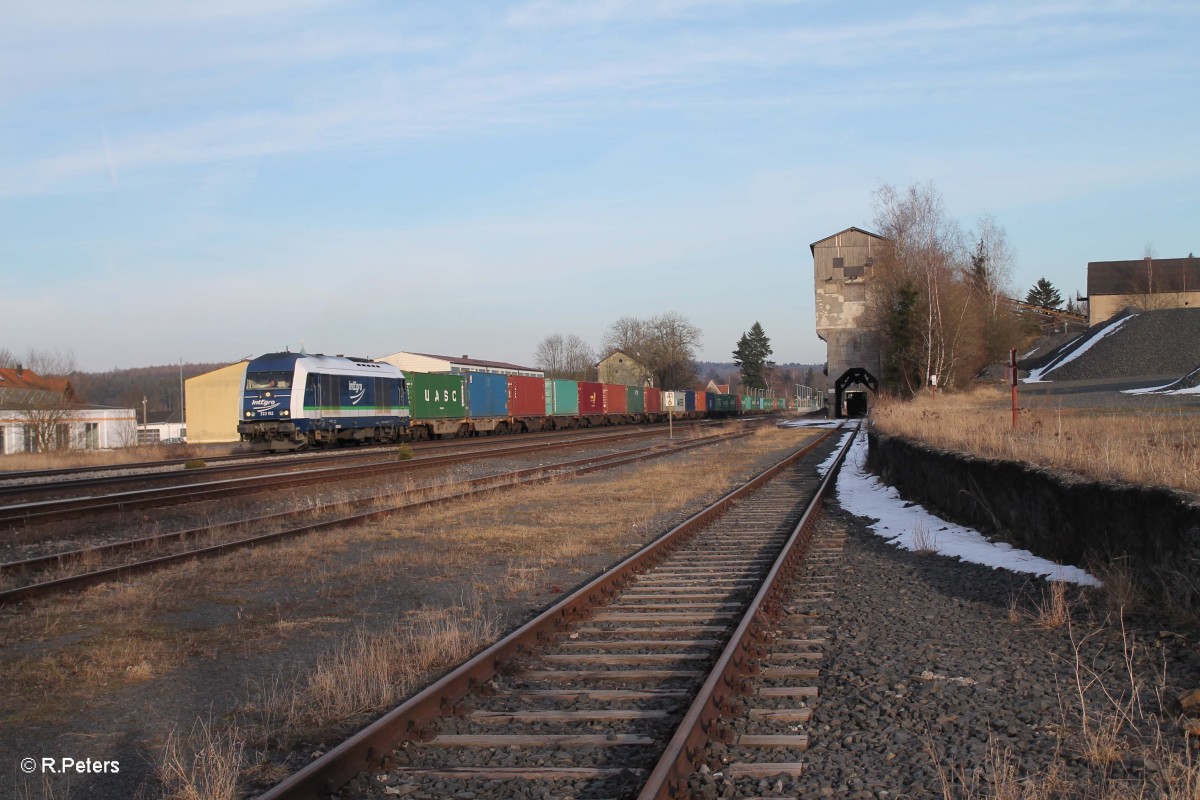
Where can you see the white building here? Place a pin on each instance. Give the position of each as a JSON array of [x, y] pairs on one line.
[[79, 427], [424, 362], [40, 413]]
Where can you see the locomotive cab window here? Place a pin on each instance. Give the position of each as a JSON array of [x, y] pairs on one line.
[[269, 380]]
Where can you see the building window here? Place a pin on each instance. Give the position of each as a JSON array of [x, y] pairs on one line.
[[62, 436], [3, 447], [91, 435], [30, 439], [854, 273], [839, 262]]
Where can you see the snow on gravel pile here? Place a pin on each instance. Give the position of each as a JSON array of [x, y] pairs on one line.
[[1160, 342], [1188, 384]]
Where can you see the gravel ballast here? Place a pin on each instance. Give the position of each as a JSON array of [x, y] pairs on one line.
[[922, 656]]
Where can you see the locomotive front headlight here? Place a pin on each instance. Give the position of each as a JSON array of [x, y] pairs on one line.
[[249, 413]]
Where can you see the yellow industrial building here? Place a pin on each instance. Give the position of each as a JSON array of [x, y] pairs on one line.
[[214, 402]]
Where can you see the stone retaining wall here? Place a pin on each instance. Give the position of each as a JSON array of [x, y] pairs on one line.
[[1055, 515]]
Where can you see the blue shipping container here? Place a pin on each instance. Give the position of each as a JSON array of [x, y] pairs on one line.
[[710, 401], [487, 395], [689, 401]]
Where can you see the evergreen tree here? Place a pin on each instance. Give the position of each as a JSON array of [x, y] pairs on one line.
[[751, 356], [1044, 294], [902, 360]]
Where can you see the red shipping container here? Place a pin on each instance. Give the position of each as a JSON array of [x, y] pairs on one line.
[[616, 399], [526, 396], [653, 400], [701, 404], [591, 398]]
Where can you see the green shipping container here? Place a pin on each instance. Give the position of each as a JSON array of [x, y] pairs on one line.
[[726, 403], [436, 396], [562, 397], [635, 399]]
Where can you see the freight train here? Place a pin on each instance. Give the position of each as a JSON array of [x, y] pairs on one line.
[[295, 400]]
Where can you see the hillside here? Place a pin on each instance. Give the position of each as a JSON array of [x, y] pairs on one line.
[[125, 388]]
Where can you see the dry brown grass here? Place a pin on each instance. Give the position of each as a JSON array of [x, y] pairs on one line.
[[44, 787], [204, 765], [1158, 448], [1105, 724], [924, 541], [368, 672], [114, 634], [69, 459]]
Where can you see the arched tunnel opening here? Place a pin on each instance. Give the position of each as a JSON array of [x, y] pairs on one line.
[[850, 393]]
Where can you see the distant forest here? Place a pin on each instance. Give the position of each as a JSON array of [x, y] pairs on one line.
[[125, 388]]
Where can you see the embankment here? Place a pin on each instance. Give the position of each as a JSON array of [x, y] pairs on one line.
[[1153, 531]]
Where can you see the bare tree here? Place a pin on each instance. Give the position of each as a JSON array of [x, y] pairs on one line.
[[549, 355], [671, 350], [918, 299], [990, 279], [7, 359], [46, 404], [50, 362], [565, 357], [665, 345], [630, 335]]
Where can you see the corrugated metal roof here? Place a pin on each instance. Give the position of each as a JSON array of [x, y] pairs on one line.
[[477, 362], [813, 246], [1143, 275]]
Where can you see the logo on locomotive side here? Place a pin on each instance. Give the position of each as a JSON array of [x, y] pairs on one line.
[[263, 406], [357, 390]]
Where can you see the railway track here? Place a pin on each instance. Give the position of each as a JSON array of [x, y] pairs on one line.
[[201, 485], [32, 483], [631, 685], [86, 566], [9, 478]]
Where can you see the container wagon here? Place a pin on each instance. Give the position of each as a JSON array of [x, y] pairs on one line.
[[562, 403], [527, 403], [438, 405], [487, 402], [591, 403]]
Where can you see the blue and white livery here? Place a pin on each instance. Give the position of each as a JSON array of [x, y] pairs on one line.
[[294, 400]]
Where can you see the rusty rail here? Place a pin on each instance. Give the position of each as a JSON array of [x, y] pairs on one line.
[[529, 476], [718, 696], [368, 749]]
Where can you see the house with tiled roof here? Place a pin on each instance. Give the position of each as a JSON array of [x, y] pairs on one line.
[[39, 413], [620, 368]]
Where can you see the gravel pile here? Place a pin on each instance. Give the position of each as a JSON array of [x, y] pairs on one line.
[[1149, 343], [1189, 381]]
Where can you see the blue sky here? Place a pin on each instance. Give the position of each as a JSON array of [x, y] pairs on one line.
[[213, 180]]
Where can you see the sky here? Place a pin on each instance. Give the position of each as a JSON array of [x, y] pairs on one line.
[[209, 181]]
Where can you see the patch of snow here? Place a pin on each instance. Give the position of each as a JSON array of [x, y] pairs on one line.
[[824, 466], [1162, 390], [1037, 375], [910, 526], [809, 423]]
